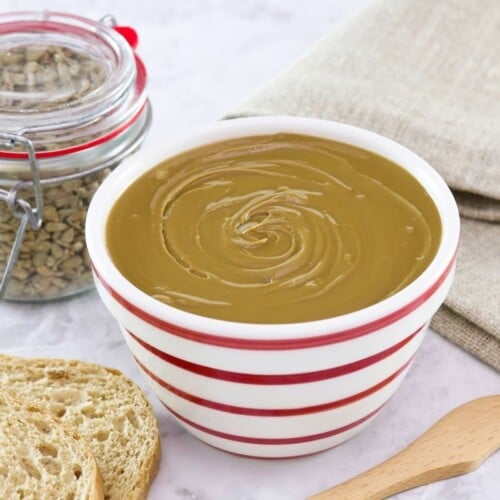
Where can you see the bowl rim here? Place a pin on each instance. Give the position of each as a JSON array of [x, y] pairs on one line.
[[160, 314]]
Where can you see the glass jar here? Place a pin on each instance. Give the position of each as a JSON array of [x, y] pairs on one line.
[[72, 106]]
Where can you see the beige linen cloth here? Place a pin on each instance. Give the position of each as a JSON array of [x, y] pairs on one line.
[[425, 73]]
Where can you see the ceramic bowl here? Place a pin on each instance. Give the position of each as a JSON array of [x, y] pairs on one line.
[[277, 390]]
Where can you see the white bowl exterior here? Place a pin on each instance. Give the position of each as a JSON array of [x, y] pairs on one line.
[[281, 451], [281, 361], [277, 410], [212, 423]]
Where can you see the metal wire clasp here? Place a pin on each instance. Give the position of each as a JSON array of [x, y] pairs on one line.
[[108, 20], [27, 214]]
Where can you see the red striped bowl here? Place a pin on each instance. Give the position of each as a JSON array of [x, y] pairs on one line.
[[274, 390]]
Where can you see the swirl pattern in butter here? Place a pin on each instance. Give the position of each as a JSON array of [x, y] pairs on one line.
[[273, 229]]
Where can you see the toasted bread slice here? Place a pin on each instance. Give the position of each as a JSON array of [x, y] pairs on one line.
[[107, 409], [40, 458]]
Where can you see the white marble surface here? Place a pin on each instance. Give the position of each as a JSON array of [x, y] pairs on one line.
[[203, 57]]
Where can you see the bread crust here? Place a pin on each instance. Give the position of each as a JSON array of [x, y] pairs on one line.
[[106, 408]]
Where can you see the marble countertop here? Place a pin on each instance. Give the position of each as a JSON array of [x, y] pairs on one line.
[[203, 57]]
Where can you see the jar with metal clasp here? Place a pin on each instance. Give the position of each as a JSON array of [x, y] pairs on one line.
[[73, 104]]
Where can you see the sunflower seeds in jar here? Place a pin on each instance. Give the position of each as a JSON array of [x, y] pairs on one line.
[[73, 90], [53, 261], [29, 73]]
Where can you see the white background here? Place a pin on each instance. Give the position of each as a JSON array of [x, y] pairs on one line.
[[203, 57]]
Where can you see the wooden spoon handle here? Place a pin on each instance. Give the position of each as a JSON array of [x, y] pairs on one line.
[[455, 445]]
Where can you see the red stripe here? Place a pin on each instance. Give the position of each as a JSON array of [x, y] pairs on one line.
[[80, 147], [274, 441], [274, 379], [276, 344], [274, 412]]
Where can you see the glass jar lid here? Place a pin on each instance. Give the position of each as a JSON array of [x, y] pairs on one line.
[[67, 84]]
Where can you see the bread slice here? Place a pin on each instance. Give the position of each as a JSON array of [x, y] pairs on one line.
[[107, 409], [42, 459]]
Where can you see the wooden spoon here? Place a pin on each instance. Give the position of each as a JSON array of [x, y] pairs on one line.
[[456, 444]]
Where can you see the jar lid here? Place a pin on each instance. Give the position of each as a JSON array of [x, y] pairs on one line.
[[67, 83]]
